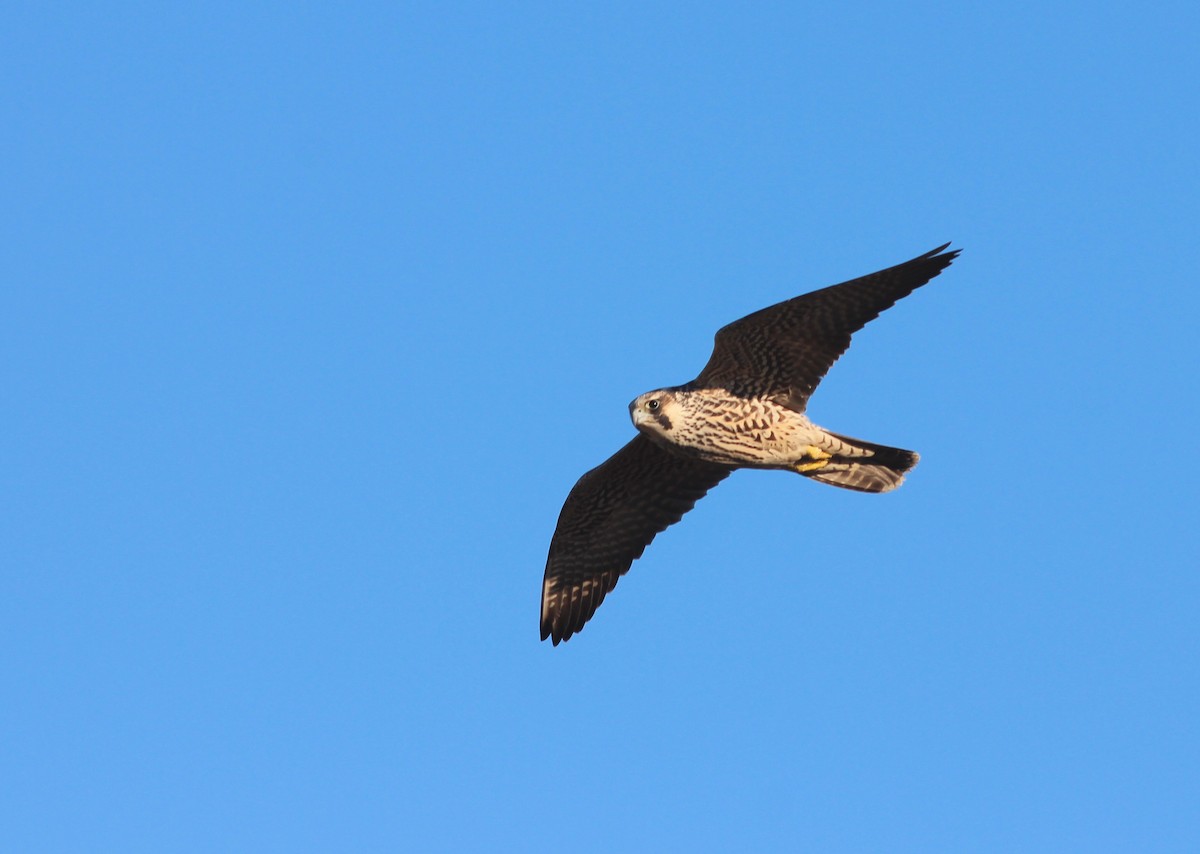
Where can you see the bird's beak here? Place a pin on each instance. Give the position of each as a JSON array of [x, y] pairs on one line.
[[635, 415]]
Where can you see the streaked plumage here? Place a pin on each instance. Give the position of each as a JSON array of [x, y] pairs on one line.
[[745, 410]]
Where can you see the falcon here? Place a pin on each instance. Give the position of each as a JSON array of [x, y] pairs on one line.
[[746, 409]]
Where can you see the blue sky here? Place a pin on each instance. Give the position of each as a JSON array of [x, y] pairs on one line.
[[312, 314]]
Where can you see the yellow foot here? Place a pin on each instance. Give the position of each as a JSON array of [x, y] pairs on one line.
[[813, 458]]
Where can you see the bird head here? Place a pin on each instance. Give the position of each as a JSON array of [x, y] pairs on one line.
[[655, 413]]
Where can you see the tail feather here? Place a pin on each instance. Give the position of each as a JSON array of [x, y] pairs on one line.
[[864, 466]]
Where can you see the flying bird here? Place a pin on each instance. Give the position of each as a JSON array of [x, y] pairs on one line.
[[746, 409]]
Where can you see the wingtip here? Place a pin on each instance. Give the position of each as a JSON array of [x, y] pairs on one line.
[[554, 633], [937, 253], [549, 630]]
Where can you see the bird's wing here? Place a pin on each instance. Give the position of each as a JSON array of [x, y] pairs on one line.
[[609, 518], [787, 348]]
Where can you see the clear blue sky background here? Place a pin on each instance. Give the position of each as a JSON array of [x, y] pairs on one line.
[[312, 314]]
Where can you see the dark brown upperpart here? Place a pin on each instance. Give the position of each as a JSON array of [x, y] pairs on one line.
[[787, 348]]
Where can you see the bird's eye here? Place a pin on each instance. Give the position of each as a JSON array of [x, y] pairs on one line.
[[652, 405]]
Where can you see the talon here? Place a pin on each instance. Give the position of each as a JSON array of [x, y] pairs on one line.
[[816, 459]]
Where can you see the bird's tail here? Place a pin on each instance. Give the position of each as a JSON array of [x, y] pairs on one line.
[[855, 464]]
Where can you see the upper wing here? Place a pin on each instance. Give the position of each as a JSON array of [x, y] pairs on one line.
[[788, 347], [609, 518]]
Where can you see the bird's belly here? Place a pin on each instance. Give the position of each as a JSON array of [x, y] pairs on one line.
[[757, 440]]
